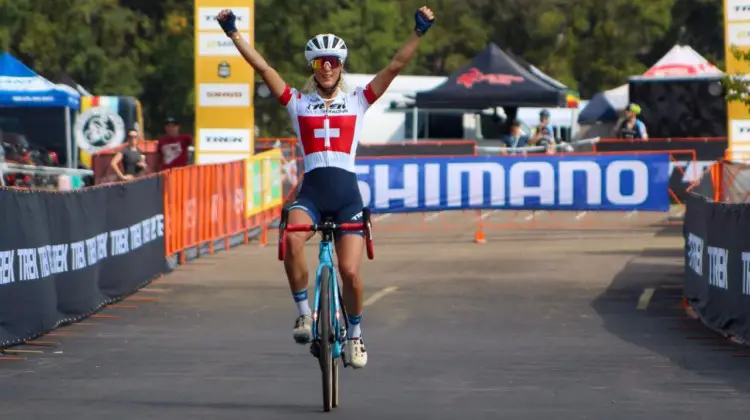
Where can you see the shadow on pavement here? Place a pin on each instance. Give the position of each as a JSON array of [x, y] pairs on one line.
[[663, 328], [648, 253], [290, 407]]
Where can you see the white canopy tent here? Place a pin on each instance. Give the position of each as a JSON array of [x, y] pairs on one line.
[[680, 61]]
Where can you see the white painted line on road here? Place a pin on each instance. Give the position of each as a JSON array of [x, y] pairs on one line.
[[379, 295], [487, 214], [382, 216], [645, 298], [433, 216], [581, 215], [534, 215]]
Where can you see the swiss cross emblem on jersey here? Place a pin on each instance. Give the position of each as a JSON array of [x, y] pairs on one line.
[[333, 133]]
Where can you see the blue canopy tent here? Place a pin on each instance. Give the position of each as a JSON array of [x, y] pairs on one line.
[[22, 88], [605, 106]]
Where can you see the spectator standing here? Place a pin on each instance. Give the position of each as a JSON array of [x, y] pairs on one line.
[[544, 134], [132, 158], [516, 138], [172, 148], [632, 127]]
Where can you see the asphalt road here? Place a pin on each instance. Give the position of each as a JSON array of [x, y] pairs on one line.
[[533, 324]]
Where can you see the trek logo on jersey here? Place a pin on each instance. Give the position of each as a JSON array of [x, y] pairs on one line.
[[333, 109]]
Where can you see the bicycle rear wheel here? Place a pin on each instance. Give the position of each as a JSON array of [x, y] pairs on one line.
[[324, 329], [335, 383]]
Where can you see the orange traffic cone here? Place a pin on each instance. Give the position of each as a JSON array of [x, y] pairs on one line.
[[264, 236], [479, 236]]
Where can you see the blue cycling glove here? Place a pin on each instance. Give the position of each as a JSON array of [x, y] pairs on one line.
[[228, 24], [422, 24]]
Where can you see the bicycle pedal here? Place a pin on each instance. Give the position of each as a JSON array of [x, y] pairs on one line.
[[315, 349]]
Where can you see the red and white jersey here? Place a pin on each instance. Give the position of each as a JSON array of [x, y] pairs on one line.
[[328, 136]]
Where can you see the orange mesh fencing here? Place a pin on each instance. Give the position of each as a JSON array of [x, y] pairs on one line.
[[208, 203], [731, 182]]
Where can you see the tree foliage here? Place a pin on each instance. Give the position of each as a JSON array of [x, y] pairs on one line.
[[144, 48]]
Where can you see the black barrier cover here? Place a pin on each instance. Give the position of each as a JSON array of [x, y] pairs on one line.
[[706, 152], [65, 255], [717, 236]]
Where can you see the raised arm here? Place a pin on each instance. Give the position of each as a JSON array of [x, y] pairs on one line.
[[274, 82], [424, 20]]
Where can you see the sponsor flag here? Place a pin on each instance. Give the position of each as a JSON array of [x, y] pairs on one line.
[[224, 109]]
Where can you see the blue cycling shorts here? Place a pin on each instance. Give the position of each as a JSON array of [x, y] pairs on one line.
[[330, 192]]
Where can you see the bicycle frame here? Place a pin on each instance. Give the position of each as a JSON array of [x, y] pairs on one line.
[[326, 260]]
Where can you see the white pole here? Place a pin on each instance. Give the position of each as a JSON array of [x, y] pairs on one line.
[[68, 145], [414, 125]]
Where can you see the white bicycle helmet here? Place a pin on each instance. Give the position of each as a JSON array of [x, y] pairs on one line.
[[325, 45]]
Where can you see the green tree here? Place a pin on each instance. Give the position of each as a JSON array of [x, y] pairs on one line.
[[168, 73], [737, 86], [457, 36], [144, 48], [97, 42], [590, 45]]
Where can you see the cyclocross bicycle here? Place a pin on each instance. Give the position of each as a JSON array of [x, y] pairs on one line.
[[329, 332]]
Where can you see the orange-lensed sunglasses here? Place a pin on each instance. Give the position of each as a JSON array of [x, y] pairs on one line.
[[319, 62]]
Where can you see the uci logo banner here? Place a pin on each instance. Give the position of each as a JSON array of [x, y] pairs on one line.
[[567, 182]]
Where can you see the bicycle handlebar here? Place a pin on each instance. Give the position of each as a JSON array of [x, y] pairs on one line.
[[327, 226], [324, 227]]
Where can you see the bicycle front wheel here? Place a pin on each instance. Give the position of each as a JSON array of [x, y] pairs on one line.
[[324, 328]]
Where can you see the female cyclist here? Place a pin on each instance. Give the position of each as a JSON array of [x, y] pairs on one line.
[[328, 119]]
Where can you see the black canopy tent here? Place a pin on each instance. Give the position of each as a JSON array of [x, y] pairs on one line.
[[495, 79]]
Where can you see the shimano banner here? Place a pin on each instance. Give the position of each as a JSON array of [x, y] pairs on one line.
[[65, 255], [534, 182]]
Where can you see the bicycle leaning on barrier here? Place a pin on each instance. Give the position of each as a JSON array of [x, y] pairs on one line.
[[328, 119]]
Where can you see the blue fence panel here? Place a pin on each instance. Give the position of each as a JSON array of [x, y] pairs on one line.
[[539, 182]]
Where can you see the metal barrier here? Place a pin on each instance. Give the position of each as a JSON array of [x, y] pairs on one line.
[[100, 161], [557, 147]]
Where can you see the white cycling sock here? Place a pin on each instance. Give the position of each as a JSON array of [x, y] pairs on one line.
[[354, 323], [303, 306]]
